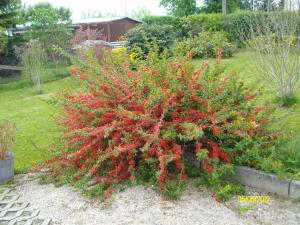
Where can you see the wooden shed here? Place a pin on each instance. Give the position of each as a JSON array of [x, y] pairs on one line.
[[112, 28]]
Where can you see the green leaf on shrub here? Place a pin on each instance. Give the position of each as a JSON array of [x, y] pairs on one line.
[[190, 132]]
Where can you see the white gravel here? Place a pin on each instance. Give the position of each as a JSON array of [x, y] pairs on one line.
[[142, 205]]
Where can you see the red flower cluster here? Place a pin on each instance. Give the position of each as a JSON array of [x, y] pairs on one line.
[[131, 118]]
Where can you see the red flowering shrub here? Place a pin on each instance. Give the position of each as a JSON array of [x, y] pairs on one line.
[[145, 119]]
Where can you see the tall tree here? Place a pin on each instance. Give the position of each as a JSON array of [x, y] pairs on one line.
[[281, 4], [215, 6], [266, 5], [8, 12], [50, 25], [248, 4], [224, 7], [180, 7]]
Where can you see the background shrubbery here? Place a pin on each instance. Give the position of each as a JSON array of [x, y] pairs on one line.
[[177, 23], [197, 23], [233, 29], [205, 45], [141, 37]]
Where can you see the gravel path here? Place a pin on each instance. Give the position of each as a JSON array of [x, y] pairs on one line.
[[142, 205]]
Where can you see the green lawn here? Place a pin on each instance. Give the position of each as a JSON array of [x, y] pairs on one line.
[[35, 119], [286, 118]]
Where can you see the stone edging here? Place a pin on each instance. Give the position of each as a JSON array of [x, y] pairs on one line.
[[259, 179], [268, 182]]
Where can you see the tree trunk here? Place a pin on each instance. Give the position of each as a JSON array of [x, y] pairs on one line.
[[224, 7]]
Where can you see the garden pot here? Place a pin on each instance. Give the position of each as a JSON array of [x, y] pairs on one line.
[[7, 168]]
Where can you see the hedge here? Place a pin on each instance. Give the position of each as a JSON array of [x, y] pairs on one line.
[[141, 36], [177, 23], [240, 22], [166, 29], [198, 23]]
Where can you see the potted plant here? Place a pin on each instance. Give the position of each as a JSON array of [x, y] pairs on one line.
[[7, 140]]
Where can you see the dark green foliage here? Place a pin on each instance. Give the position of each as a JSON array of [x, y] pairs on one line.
[[8, 18], [282, 158], [180, 7], [174, 189], [95, 192], [222, 182], [56, 181], [192, 171], [205, 45], [287, 102], [238, 24], [48, 24], [146, 172], [215, 6], [267, 5], [167, 28], [143, 36], [204, 22], [261, 5], [247, 5], [8, 12], [176, 22], [45, 179], [11, 55]]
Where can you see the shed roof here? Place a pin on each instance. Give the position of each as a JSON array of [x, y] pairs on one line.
[[102, 20], [78, 22]]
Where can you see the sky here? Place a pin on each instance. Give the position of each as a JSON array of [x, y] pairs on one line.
[[117, 7]]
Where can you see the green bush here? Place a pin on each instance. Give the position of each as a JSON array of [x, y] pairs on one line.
[[142, 37], [164, 20], [176, 22], [3, 40], [280, 158], [136, 125], [205, 45], [235, 24], [165, 29], [204, 22], [238, 24]]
